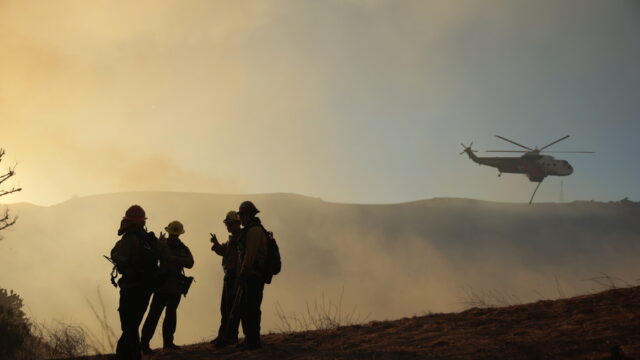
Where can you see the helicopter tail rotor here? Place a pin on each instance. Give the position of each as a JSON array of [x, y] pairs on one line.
[[465, 147]]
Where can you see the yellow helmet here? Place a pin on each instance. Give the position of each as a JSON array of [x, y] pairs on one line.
[[231, 217], [175, 228]]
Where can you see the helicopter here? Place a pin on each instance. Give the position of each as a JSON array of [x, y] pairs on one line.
[[532, 163]]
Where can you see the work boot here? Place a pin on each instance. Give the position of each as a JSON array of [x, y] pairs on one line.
[[146, 349], [249, 345], [220, 343], [171, 346]]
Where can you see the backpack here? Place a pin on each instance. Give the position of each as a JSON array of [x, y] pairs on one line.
[[273, 262], [144, 271]]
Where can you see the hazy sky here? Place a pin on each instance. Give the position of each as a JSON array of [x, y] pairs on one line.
[[352, 101]]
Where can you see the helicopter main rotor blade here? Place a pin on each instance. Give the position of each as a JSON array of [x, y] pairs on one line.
[[569, 152], [507, 151], [555, 142], [513, 142]]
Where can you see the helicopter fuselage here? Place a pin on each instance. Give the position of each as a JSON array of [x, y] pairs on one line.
[[535, 166]]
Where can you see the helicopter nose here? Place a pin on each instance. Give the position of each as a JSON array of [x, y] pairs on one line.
[[570, 169]]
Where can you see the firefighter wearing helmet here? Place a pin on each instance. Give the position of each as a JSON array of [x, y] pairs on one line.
[[228, 330], [174, 257], [252, 249], [136, 258]]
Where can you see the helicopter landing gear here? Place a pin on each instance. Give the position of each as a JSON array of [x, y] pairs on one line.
[[499, 174]]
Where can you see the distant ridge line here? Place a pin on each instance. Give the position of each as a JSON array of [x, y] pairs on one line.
[[434, 200]]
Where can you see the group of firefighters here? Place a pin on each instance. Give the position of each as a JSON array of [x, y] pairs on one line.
[[152, 270]]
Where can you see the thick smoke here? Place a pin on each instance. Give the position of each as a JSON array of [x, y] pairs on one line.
[[388, 261]]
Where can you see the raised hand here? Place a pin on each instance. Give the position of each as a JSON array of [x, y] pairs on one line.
[[214, 239]]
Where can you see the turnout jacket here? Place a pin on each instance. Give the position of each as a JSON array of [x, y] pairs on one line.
[[229, 253], [253, 249], [174, 257]]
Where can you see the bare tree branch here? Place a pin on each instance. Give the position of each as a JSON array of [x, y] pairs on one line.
[[6, 176], [6, 220], [7, 192]]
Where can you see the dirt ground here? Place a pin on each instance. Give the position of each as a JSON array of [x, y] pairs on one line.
[[584, 327]]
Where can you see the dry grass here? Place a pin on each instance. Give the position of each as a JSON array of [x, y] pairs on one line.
[[608, 282], [105, 342], [72, 341], [488, 298], [323, 314], [592, 327], [474, 298]]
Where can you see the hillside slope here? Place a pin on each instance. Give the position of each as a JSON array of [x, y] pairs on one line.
[[583, 327], [391, 260]]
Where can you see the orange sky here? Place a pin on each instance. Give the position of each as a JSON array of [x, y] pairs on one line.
[[352, 101]]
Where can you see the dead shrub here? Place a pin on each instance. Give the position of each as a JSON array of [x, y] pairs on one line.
[[66, 341]]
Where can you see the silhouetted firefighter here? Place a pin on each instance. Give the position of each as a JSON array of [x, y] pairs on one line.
[[135, 256], [228, 330], [259, 260], [174, 257]]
